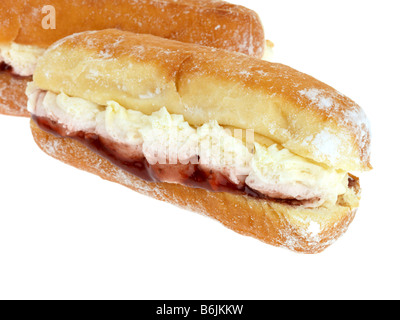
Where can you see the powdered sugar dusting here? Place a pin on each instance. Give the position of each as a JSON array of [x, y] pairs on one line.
[[313, 234], [358, 119], [319, 98], [327, 145], [336, 107], [150, 95], [12, 101]]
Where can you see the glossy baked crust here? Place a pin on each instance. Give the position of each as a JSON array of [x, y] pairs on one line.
[[302, 230], [146, 73], [211, 23]]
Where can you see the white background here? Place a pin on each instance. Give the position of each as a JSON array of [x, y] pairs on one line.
[[66, 234]]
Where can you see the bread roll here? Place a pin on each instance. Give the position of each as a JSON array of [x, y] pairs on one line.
[[206, 22], [145, 76]]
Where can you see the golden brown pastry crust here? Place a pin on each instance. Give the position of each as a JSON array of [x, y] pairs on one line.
[[146, 73], [302, 230], [211, 23], [13, 99]]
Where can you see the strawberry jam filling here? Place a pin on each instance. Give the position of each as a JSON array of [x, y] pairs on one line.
[[191, 175]]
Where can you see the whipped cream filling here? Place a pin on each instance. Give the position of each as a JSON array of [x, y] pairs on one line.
[[22, 58], [268, 51], [165, 138]]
